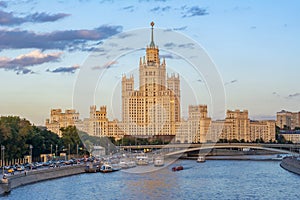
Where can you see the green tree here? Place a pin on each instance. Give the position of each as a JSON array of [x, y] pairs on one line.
[[18, 134], [70, 137]]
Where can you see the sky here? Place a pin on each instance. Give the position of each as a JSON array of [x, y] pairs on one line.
[[46, 47]]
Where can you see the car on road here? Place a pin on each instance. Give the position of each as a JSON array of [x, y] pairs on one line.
[[20, 168], [10, 170]]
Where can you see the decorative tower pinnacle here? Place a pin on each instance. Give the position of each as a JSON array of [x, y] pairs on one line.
[[152, 40]]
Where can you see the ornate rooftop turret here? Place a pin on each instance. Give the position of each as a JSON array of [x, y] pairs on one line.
[[152, 50]]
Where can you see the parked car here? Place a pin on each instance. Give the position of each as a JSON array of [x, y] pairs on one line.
[[10, 170], [20, 168]]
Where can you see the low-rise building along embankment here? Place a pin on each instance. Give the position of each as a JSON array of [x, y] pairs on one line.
[[40, 175]]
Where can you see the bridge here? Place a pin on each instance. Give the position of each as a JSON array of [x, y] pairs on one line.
[[175, 149]]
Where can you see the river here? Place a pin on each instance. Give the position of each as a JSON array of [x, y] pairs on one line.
[[214, 179]]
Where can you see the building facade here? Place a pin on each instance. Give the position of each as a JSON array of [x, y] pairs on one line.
[[236, 127], [154, 110], [262, 130], [291, 136], [59, 119], [287, 120]]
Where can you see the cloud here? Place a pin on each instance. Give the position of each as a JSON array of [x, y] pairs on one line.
[[3, 4], [295, 95], [129, 8], [170, 45], [231, 82], [106, 65], [193, 11], [45, 17], [180, 28], [125, 35], [160, 9], [169, 56], [187, 45], [20, 63], [70, 70], [67, 39], [9, 19]]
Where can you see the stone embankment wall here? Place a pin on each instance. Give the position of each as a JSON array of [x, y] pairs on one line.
[[291, 164], [34, 176]]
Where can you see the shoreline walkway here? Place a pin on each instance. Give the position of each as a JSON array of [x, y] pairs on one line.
[[33, 176]]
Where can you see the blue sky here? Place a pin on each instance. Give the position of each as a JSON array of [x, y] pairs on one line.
[[255, 46]]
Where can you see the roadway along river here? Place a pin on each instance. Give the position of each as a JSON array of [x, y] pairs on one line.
[[210, 180]]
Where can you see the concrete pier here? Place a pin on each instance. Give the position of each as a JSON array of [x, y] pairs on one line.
[[291, 164]]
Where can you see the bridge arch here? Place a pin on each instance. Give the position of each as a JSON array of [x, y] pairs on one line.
[[228, 146]]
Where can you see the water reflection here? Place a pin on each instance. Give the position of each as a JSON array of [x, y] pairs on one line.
[[151, 184]]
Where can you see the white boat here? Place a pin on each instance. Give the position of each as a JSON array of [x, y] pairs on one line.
[[105, 168], [201, 159], [142, 160], [159, 162], [123, 164], [131, 164]]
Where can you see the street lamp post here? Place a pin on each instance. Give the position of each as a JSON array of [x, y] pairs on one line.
[[56, 151], [51, 150], [31, 147], [3, 148], [77, 150], [69, 153]]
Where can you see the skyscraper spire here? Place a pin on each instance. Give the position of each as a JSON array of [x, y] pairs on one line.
[[152, 40]]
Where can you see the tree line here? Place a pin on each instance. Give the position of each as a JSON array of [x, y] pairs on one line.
[[18, 135]]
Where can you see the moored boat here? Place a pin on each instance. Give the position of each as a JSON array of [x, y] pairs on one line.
[[201, 159], [107, 168], [142, 160], [125, 164], [159, 161]]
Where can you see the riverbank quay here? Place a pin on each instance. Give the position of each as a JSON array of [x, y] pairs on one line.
[[33, 176], [291, 164]]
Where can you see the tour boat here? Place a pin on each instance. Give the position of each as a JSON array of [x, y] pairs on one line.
[[106, 168], [159, 162], [201, 159], [142, 160], [123, 164]]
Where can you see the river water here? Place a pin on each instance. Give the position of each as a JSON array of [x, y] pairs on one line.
[[214, 179]]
